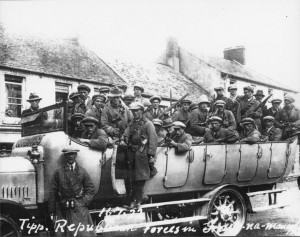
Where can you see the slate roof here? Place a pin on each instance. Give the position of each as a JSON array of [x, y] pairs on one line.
[[238, 70], [157, 79], [55, 57]]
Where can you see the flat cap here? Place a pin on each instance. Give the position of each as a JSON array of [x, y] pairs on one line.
[[138, 87], [104, 89], [167, 123], [249, 88], [128, 97], [114, 92], [77, 116], [220, 102], [33, 97], [215, 118], [90, 120], [232, 87], [155, 97], [247, 121], [186, 101], [269, 118], [84, 87], [289, 97], [70, 149], [276, 101], [219, 88], [178, 124], [136, 105], [73, 95], [157, 121], [95, 97]]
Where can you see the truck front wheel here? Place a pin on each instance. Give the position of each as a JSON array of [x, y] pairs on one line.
[[8, 227]]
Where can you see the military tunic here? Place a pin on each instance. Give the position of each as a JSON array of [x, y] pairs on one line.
[[76, 185], [223, 135]]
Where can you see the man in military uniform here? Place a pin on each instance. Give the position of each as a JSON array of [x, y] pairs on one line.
[[275, 108], [217, 134], [84, 92], [270, 133], [179, 139], [227, 117], [220, 96], [93, 136], [138, 90], [141, 140], [75, 126], [248, 104], [183, 115], [249, 134], [115, 117], [34, 101], [98, 102], [154, 110], [259, 97], [288, 118], [233, 104], [199, 118], [73, 190], [128, 99]]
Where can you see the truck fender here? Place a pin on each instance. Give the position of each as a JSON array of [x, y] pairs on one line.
[[13, 209]]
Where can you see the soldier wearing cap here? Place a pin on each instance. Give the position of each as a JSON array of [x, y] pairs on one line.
[[93, 136], [227, 117], [220, 96], [141, 140], [154, 110], [128, 99], [183, 115], [95, 110], [288, 118], [115, 116], [84, 92], [233, 104], [75, 126], [138, 90], [34, 101], [248, 104], [104, 91], [249, 134], [199, 118], [259, 95], [179, 139], [160, 132], [74, 99], [217, 134], [275, 107], [73, 190], [270, 133]]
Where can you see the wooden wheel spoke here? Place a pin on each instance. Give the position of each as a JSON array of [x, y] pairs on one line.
[[214, 213], [12, 233]]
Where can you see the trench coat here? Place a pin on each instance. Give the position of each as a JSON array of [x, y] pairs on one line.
[[223, 135], [184, 142], [181, 116], [228, 120], [98, 139], [138, 158], [76, 185]]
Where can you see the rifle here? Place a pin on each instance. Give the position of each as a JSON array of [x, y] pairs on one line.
[[263, 103], [172, 106]]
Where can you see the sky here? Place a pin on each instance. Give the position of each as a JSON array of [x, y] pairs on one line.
[[268, 29]]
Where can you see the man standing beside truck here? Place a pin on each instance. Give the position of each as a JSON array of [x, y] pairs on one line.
[[73, 190]]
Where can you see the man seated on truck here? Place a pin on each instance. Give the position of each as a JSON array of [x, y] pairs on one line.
[[75, 127], [270, 132], [217, 134], [93, 136], [249, 134], [179, 139]]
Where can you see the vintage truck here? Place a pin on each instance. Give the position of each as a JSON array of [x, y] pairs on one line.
[[212, 183]]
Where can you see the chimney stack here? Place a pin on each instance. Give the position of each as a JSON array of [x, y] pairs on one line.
[[236, 53], [172, 54]]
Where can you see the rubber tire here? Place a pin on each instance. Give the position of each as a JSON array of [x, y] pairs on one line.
[[15, 228], [206, 209]]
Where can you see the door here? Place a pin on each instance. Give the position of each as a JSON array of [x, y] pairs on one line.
[[278, 159], [248, 162]]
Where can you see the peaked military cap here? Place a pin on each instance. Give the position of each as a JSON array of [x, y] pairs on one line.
[[90, 120], [220, 102], [289, 97], [178, 124], [70, 149], [259, 93], [139, 87], [104, 89], [136, 105], [33, 97], [232, 87], [77, 116], [84, 87], [249, 88], [73, 95], [276, 101], [114, 92], [269, 118], [157, 121], [167, 123], [155, 97], [219, 88], [99, 96], [215, 118], [247, 121]]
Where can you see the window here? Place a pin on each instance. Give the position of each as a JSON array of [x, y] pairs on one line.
[[232, 81], [61, 92], [13, 91], [96, 90]]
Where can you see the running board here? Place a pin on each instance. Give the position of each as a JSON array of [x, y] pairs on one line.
[[150, 224], [252, 194], [270, 207]]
